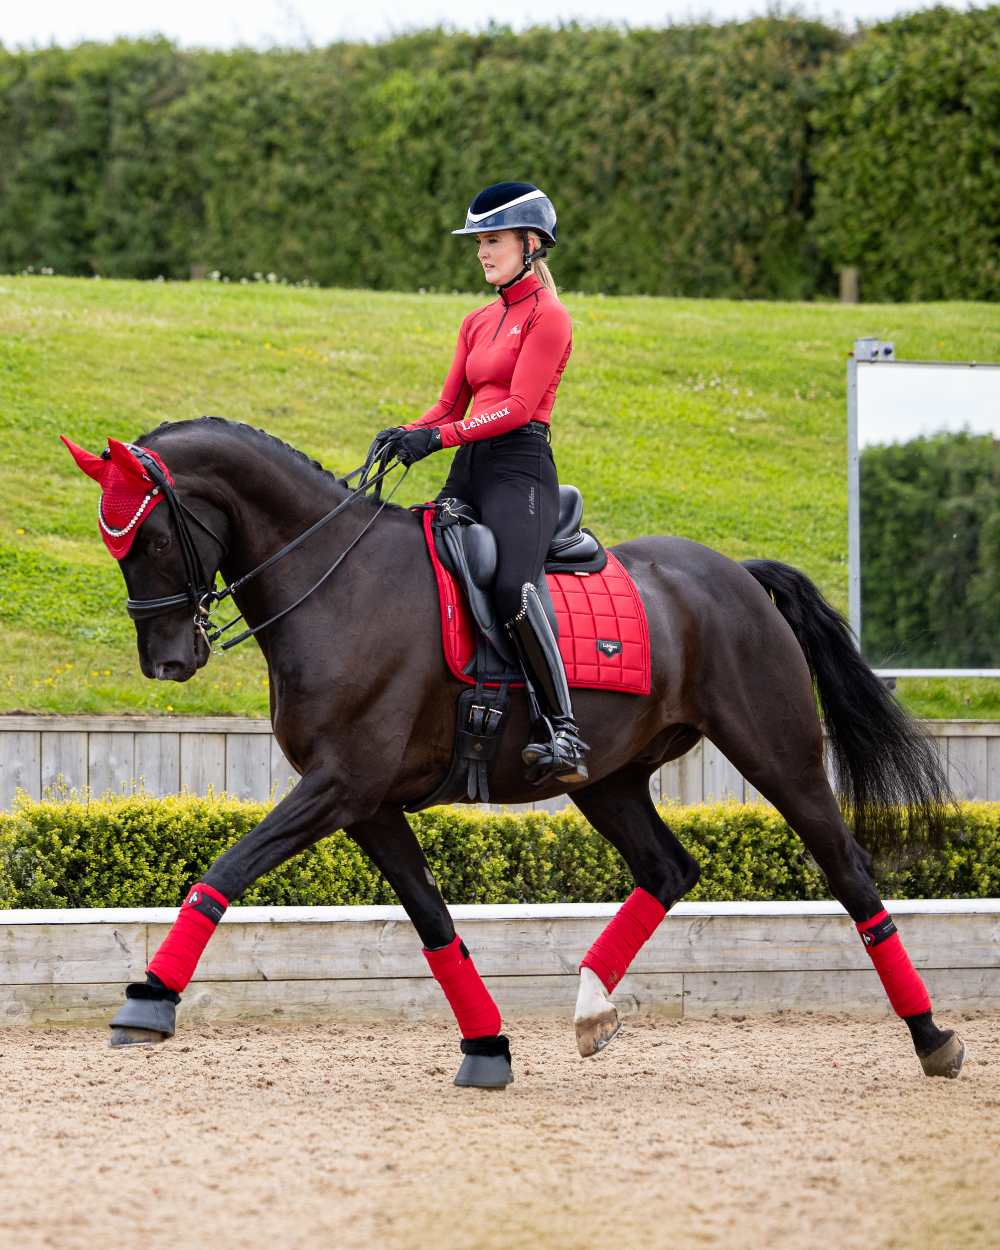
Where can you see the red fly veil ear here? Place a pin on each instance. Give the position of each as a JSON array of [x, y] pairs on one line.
[[128, 494]]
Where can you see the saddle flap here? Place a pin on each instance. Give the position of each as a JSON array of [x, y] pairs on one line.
[[470, 563]]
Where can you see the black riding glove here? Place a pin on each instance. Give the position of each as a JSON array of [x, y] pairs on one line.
[[383, 438], [415, 444]]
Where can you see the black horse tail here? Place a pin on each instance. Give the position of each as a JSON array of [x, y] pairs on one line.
[[889, 776]]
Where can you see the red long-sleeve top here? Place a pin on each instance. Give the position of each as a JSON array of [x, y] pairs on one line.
[[509, 359]]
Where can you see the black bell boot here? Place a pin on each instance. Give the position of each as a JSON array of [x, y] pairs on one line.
[[556, 749]]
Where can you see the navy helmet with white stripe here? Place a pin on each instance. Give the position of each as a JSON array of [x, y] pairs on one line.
[[511, 206]]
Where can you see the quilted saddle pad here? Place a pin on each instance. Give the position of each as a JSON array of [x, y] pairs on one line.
[[603, 636]]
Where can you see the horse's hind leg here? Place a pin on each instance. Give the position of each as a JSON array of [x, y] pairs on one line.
[[787, 769], [390, 843], [620, 808]]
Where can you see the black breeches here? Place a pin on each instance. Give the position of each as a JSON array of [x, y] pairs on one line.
[[512, 483]]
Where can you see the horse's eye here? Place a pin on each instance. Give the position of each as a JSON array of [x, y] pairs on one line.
[[160, 544]]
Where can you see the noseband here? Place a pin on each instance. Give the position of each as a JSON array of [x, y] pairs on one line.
[[200, 596]]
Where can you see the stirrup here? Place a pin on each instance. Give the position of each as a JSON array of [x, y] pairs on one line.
[[562, 757]]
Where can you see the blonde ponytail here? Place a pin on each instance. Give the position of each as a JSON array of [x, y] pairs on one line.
[[546, 278], [541, 269]]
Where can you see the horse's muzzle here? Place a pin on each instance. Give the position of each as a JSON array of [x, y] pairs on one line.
[[175, 670]]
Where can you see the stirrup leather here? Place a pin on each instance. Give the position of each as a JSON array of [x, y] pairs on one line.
[[559, 749]]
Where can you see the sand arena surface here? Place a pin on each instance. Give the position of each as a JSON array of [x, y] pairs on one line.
[[785, 1132]]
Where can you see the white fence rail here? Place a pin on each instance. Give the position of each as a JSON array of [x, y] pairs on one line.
[[287, 963], [240, 756]]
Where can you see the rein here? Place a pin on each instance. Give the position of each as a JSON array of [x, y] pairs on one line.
[[202, 597]]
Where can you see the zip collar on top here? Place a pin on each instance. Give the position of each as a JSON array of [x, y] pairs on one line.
[[528, 285]]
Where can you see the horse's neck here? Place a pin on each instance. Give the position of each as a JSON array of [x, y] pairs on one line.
[[270, 502], [271, 506], [269, 497], [344, 617]]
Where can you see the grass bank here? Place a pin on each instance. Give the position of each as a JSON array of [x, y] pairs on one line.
[[723, 421]]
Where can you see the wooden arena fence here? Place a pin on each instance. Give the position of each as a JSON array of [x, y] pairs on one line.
[[237, 755], [297, 963]]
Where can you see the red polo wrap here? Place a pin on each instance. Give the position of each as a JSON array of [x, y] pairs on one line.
[[476, 1012], [174, 963], [624, 937], [128, 493], [901, 981]]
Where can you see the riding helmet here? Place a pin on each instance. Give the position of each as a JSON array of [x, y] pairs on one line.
[[511, 206]]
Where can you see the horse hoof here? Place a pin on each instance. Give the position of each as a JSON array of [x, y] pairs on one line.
[[136, 1037], [594, 1034], [484, 1072], [947, 1060], [596, 1019], [143, 1022], [486, 1063]]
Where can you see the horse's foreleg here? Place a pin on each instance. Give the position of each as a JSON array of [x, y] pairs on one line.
[[620, 808], [390, 843], [313, 809]]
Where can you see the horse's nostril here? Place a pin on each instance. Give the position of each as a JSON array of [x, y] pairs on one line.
[[170, 670]]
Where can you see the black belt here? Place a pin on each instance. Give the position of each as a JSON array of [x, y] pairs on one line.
[[540, 427]]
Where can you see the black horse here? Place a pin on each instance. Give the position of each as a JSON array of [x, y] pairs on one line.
[[363, 705]]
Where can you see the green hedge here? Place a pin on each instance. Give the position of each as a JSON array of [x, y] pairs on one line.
[[906, 160], [746, 159], [678, 157], [144, 852]]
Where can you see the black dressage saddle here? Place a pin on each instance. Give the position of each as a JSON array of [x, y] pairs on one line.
[[468, 549]]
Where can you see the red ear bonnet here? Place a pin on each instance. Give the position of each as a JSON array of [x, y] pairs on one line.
[[128, 493]]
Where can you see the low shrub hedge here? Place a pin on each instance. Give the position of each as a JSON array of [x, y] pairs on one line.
[[145, 852]]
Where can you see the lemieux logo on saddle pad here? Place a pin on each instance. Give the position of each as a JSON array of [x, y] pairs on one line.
[[609, 646]]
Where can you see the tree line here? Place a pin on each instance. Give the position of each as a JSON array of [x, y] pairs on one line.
[[751, 159]]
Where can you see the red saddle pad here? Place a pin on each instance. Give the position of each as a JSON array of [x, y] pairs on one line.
[[603, 636]]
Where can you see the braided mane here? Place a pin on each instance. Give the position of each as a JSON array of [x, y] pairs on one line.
[[275, 444], [241, 427]]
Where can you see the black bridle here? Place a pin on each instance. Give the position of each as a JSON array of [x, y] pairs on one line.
[[197, 591], [201, 596]]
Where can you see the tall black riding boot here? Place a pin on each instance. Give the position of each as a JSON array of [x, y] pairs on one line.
[[556, 749]]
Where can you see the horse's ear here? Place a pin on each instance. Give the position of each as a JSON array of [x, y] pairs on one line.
[[124, 460], [92, 465]]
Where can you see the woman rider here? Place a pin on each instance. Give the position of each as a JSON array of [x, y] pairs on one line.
[[508, 362]]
